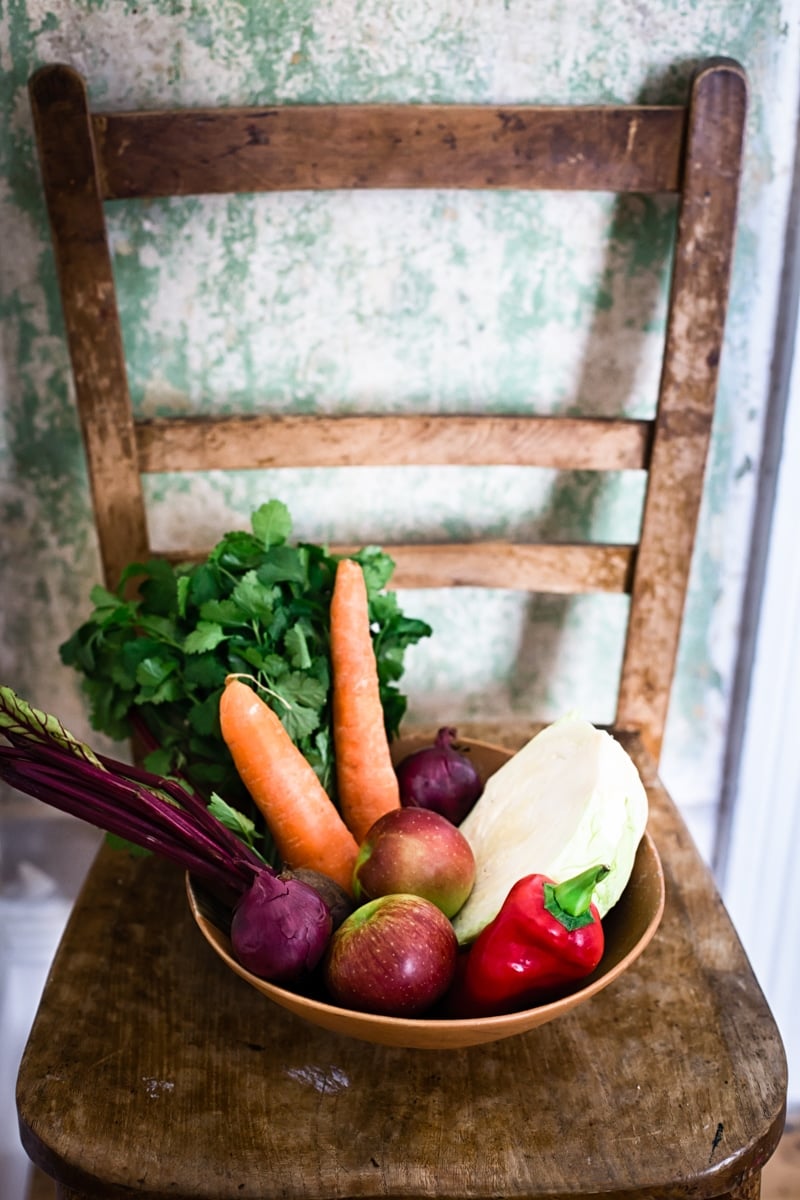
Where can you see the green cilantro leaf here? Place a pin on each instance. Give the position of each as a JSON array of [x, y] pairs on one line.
[[206, 636], [151, 672], [377, 567], [271, 523], [224, 612], [204, 585], [237, 551], [253, 598], [297, 647], [159, 762], [182, 592], [284, 564], [203, 717]]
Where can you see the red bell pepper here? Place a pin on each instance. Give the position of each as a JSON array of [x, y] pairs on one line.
[[545, 936]]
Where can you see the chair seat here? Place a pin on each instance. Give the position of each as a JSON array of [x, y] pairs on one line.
[[153, 1071]]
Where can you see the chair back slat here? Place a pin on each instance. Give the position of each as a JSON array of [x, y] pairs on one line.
[[297, 147], [398, 439], [560, 569]]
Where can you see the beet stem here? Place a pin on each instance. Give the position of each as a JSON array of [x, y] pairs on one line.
[[181, 791], [80, 789]]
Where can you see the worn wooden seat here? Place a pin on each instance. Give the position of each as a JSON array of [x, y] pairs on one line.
[[151, 1071]]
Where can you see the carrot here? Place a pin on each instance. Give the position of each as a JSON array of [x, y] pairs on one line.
[[366, 780], [306, 827]]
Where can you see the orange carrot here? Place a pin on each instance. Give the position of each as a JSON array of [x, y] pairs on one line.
[[304, 823], [366, 780]]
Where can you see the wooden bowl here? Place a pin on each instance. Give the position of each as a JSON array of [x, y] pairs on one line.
[[628, 927]]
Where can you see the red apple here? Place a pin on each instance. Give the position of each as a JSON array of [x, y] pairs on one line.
[[419, 851], [394, 956]]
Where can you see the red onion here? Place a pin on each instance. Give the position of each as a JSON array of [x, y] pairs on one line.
[[280, 928], [441, 778]]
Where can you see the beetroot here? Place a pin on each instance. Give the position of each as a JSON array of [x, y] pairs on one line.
[[280, 928]]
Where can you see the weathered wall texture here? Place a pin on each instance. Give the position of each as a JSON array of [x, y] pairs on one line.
[[444, 301]]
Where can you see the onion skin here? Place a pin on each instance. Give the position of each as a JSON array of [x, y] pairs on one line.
[[280, 928], [441, 778]]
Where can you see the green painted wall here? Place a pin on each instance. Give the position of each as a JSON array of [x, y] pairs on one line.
[[440, 301]]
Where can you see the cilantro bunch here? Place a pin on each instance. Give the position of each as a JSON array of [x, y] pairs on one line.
[[257, 606]]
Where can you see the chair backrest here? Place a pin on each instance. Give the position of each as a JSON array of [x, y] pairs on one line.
[[693, 150]]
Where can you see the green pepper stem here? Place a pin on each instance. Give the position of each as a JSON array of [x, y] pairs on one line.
[[575, 895]]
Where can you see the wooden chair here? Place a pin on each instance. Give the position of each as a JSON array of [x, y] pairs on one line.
[[150, 1070]]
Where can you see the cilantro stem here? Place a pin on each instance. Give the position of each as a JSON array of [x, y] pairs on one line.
[[263, 686]]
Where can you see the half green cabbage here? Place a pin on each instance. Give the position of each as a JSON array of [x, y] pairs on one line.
[[570, 799]]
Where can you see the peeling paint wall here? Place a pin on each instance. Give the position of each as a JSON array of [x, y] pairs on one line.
[[437, 301]]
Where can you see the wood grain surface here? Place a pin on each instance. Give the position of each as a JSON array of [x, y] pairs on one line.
[[698, 303], [152, 1071], [780, 1179], [633, 149], [394, 439], [537, 567], [86, 278]]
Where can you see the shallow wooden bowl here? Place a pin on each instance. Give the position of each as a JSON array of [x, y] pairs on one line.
[[629, 928]]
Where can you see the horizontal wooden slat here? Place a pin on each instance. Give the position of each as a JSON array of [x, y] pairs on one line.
[[195, 151], [235, 443], [556, 568]]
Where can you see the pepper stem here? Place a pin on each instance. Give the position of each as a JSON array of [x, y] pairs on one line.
[[569, 901]]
